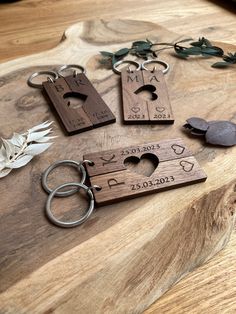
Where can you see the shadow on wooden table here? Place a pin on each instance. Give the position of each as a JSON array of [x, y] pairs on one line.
[[229, 5]]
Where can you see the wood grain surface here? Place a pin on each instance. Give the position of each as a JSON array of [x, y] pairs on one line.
[[211, 288], [31, 26]]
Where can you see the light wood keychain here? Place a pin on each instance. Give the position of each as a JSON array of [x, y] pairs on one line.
[[111, 181], [136, 109], [93, 113]]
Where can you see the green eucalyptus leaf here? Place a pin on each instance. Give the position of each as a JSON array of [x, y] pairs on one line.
[[220, 52], [198, 43], [193, 51], [106, 54], [122, 52], [213, 51], [220, 64], [141, 51], [142, 46], [138, 43]]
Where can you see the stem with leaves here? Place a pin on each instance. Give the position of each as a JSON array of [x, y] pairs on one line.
[[145, 49], [21, 148]]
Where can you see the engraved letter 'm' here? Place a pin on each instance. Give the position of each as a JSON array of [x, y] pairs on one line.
[[113, 182], [129, 78], [108, 161]]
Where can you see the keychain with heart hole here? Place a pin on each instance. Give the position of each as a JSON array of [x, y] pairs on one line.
[[111, 180], [144, 93], [59, 89]]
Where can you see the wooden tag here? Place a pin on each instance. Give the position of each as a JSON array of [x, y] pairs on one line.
[[145, 97], [93, 113], [176, 167]]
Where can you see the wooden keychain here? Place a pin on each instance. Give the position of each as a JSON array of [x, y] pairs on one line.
[[111, 180], [144, 82], [58, 88]]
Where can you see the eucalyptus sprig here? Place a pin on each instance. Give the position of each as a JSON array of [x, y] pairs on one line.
[[201, 47], [145, 49], [21, 148], [228, 60]]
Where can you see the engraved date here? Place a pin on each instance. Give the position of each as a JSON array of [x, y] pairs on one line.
[[143, 149], [152, 183]]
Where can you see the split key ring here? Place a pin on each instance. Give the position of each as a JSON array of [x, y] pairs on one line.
[[78, 165], [76, 186]]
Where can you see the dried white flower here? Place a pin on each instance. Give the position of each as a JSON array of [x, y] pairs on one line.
[[21, 148]]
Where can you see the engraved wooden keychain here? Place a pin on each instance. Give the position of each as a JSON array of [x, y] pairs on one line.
[[93, 113], [134, 83], [112, 181]]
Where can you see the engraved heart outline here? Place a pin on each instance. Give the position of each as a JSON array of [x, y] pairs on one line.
[[151, 89], [187, 165], [178, 149], [160, 109], [135, 164], [135, 109]]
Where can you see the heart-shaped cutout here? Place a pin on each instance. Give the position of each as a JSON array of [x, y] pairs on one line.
[[147, 92], [186, 165], [145, 165], [75, 100]]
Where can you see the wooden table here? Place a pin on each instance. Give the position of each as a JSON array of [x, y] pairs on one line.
[[31, 26]]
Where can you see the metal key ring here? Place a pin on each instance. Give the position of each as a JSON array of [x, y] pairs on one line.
[[34, 75], [165, 64], [72, 163], [138, 65], [70, 66], [75, 223]]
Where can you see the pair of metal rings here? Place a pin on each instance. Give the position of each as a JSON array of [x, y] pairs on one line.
[[74, 188], [141, 66], [52, 75]]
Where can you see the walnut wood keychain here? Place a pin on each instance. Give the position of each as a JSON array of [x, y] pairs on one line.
[[93, 113], [136, 109], [111, 181]]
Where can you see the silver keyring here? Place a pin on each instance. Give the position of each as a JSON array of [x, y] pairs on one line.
[[72, 163], [70, 66], [75, 223], [138, 65], [165, 64], [30, 82]]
